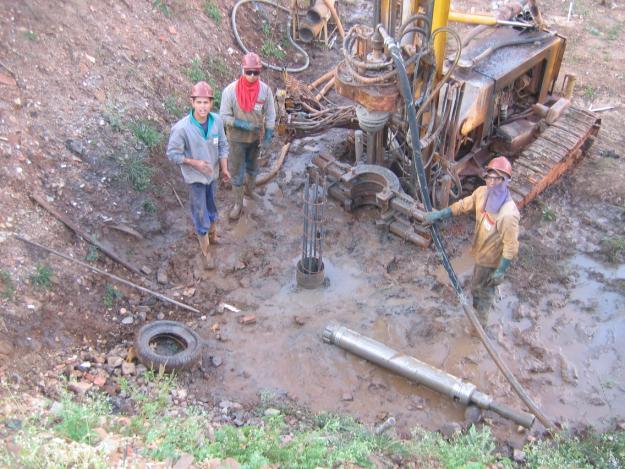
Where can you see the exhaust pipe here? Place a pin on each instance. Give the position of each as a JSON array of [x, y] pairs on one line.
[[419, 372], [317, 17]]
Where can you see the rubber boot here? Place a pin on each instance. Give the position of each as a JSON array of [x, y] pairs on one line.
[[212, 234], [235, 212], [250, 186], [205, 247]]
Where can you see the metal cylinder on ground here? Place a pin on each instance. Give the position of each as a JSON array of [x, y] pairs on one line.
[[419, 372], [317, 17]]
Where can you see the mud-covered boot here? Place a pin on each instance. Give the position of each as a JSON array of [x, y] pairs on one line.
[[212, 234], [235, 212], [250, 186], [204, 240]]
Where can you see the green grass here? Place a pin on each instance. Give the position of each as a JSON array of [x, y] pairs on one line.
[[93, 254], [195, 72], [173, 107], [111, 296], [614, 248], [162, 6], [217, 67], [614, 31], [136, 172], [149, 207], [146, 132], [589, 92], [212, 11], [78, 420], [30, 35], [42, 277], [266, 29], [271, 49], [114, 117], [6, 282]]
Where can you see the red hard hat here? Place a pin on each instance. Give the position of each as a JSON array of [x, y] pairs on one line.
[[251, 61], [500, 165], [201, 90]]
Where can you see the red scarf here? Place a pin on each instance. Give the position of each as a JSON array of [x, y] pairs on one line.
[[247, 93]]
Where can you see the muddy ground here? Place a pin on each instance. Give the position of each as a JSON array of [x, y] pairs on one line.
[[77, 77]]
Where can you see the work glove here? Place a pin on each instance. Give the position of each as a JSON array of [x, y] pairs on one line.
[[245, 125], [267, 139], [435, 215], [497, 276]]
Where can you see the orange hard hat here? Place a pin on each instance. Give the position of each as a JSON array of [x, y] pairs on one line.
[[500, 165], [251, 61], [202, 90]]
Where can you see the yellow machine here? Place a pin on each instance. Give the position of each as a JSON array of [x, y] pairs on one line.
[[492, 91]]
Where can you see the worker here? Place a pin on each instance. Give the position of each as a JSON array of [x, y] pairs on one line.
[[248, 110], [198, 144], [495, 242]]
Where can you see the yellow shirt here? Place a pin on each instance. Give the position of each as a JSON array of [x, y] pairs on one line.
[[496, 234]]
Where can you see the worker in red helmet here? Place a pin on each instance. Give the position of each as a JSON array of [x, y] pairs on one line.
[[198, 144], [495, 242], [248, 110]]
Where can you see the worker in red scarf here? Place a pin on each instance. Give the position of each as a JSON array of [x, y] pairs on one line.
[[248, 110]]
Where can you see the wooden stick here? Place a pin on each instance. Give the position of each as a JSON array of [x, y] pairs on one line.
[[76, 229], [326, 76], [114, 277], [335, 17], [265, 178], [328, 86], [176, 194]]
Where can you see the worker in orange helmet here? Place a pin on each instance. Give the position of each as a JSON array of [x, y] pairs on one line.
[[249, 113], [495, 242], [198, 144]]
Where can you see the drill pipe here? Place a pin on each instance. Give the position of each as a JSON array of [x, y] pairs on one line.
[[419, 372]]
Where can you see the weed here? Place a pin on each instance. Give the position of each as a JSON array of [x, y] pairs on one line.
[[271, 49], [194, 72], [136, 172], [77, 420], [217, 67], [594, 31], [8, 288], [266, 29], [216, 92], [173, 107], [212, 11], [162, 6], [548, 214], [30, 35], [145, 132], [92, 254], [613, 32], [474, 448], [111, 296], [614, 248], [113, 117], [149, 206], [42, 276], [589, 92]]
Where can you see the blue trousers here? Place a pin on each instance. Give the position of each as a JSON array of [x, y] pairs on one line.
[[203, 208]]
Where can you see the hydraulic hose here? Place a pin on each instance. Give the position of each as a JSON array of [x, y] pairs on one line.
[[276, 68], [406, 92]]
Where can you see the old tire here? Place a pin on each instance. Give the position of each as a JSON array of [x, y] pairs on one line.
[[185, 337]]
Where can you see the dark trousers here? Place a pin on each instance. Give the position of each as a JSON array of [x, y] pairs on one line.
[[243, 158], [203, 208], [483, 292]]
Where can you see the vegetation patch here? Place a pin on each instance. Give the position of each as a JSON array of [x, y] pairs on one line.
[[195, 72], [136, 172], [146, 133], [212, 11], [93, 254], [173, 106], [42, 277], [149, 207], [111, 296], [614, 248], [7, 288], [162, 6]]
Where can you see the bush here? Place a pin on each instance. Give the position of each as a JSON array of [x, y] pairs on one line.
[[42, 276], [136, 172]]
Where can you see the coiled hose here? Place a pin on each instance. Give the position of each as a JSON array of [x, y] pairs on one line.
[[416, 158], [233, 19]]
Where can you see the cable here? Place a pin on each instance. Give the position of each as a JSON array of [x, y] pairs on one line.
[[288, 29]]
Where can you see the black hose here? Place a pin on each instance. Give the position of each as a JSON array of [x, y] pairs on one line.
[[406, 92]]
